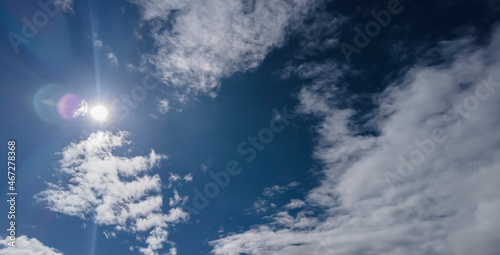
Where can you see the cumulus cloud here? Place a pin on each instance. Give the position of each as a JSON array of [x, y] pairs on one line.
[[426, 184], [201, 42], [26, 246], [111, 190]]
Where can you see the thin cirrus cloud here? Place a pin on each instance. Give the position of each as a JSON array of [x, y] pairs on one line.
[[65, 5], [448, 203], [263, 205], [112, 190], [210, 40]]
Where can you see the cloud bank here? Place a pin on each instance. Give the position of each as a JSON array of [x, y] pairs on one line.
[[426, 184]]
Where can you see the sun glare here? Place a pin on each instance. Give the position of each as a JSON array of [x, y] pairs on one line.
[[99, 113]]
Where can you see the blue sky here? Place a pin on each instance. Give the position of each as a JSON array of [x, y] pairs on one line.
[[252, 127]]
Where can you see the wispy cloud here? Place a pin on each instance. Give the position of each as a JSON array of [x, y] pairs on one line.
[[109, 55], [112, 59], [188, 178], [112, 190], [294, 204], [204, 166], [82, 109], [177, 199], [263, 205], [427, 212], [65, 5], [275, 190], [163, 106], [98, 43], [259, 206], [173, 178], [210, 40]]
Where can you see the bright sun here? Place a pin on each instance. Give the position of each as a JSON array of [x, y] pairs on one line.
[[99, 113]]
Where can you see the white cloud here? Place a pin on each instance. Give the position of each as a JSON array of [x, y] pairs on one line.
[[173, 178], [221, 229], [98, 43], [82, 109], [210, 40], [302, 220], [294, 204], [130, 67], [65, 5], [260, 206], [26, 246], [112, 59], [155, 241], [163, 106], [177, 199], [188, 178], [293, 184], [446, 205], [204, 166], [111, 190], [275, 190], [109, 55], [108, 234]]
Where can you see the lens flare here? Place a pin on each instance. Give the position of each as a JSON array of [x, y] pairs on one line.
[[46, 100], [68, 105]]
